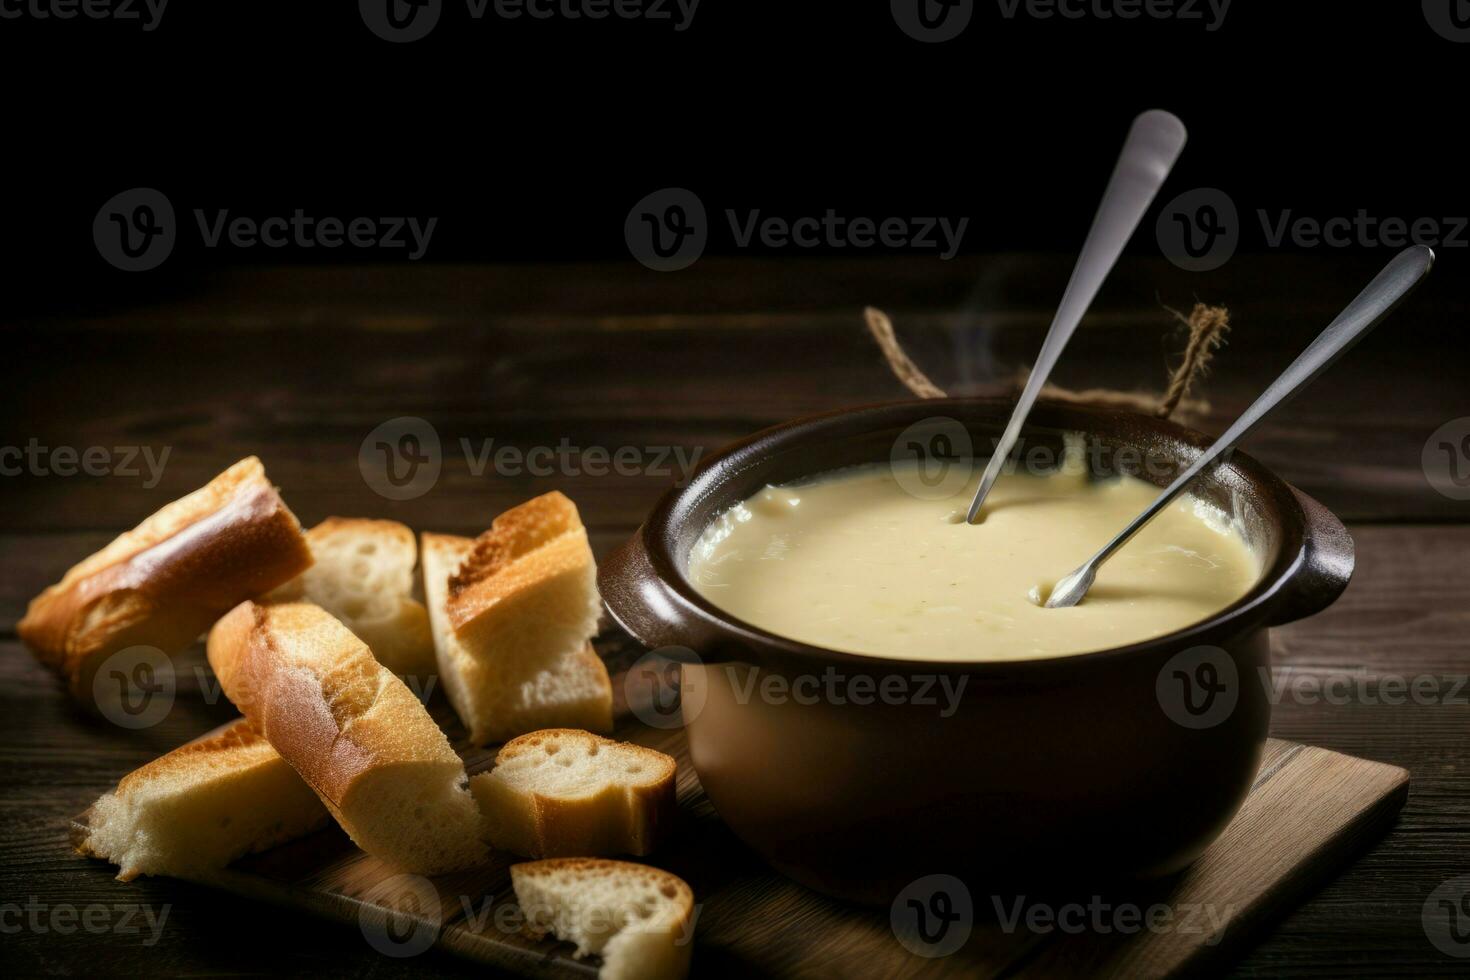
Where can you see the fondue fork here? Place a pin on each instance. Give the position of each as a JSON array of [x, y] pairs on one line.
[[1153, 144], [1364, 313]]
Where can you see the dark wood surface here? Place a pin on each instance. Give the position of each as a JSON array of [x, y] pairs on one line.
[[298, 366], [1308, 811]]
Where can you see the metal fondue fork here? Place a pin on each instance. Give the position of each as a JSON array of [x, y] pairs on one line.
[[1153, 144], [1364, 313]]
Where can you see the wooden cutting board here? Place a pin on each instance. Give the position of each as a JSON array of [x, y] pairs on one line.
[[1308, 813]]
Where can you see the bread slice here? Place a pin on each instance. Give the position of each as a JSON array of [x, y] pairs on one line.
[[162, 583], [529, 585], [564, 793], [363, 575], [196, 809], [640, 920], [354, 732], [530, 581], [525, 678]]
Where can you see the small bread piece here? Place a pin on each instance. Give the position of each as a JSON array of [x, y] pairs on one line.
[[535, 556], [515, 684], [529, 585], [564, 793], [194, 810], [363, 575], [162, 583], [640, 920], [354, 732]]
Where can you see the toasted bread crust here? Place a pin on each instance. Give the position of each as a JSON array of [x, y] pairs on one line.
[[546, 528], [303, 713], [443, 555], [196, 777], [239, 734], [569, 823], [515, 533], [341, 719], [164, 582]]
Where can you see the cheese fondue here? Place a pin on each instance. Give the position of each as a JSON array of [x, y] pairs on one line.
[[852, 561]]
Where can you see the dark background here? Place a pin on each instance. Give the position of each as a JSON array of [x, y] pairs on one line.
[[529, 322], [531, 140]]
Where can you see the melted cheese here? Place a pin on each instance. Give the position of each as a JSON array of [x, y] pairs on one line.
[[853, 561]]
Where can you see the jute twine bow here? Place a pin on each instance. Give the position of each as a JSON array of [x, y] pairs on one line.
[[1207, 328]]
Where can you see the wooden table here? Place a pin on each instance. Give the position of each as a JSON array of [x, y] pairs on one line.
[[298, 366]]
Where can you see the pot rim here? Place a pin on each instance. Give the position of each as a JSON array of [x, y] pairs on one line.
[[1252, 611]]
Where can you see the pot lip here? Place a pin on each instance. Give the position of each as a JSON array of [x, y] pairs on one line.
[[1246, 614]]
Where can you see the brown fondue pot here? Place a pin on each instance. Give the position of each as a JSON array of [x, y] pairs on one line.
[[857, 775]]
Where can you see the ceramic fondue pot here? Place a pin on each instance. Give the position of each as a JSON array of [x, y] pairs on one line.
[[857, 774]]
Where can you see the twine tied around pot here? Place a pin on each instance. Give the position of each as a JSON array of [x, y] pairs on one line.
[[1207, 327]]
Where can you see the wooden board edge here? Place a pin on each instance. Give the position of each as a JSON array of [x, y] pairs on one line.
[[1314, 869]]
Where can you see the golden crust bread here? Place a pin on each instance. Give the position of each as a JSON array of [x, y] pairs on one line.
[[513, 534], [525, 546], [563, 792], [236, 738], [535, 668], [354, 732], [196, 809], [164, 582], [516, 532]]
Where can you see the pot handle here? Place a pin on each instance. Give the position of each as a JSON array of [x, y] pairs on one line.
[[645, 607], [1324, 568]]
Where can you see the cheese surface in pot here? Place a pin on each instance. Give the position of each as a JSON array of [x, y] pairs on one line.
[[854, 561]]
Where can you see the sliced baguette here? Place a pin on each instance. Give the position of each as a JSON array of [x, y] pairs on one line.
[[640, 920], [194, 810], [528, 587], [354, 732], [164, 582], [516, 683], [564, 793], [363, 575], [530, 578]]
